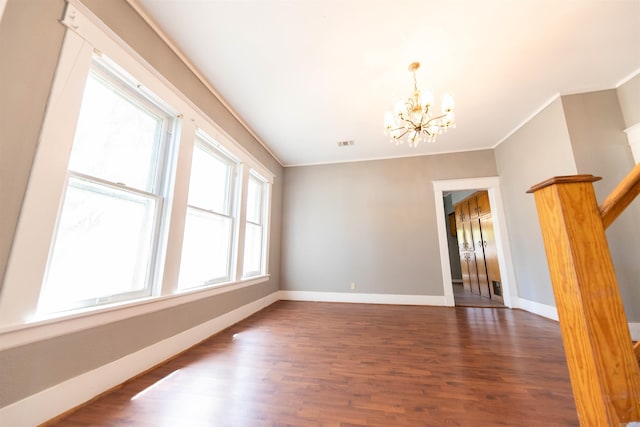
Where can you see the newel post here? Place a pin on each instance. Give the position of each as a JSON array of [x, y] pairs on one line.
[[604, 373]]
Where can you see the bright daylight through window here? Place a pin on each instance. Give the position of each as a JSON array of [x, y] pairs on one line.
[[255, 230], [208, 237], [137, 200], [106, 242]]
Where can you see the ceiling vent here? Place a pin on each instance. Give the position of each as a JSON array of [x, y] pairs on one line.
[[346, 143]]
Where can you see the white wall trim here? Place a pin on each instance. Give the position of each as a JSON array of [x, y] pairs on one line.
[[376, 158], [362, 298], [48, 328], [492, 185], [544, 310], [634, 328], [3, 3], [628, 77], [19, 321], [528, 119], [550, 312], [140, 11], [69, 394], [633, 136]]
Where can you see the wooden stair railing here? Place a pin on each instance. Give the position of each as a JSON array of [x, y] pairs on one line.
[[603, 368]]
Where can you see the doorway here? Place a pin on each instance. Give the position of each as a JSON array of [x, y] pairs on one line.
[[491, 186], [475, 273]]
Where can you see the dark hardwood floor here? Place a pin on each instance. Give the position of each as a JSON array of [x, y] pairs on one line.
[[330, 364]]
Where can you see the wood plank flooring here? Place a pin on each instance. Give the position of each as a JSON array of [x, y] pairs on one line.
[[331, 364], [464, 298]]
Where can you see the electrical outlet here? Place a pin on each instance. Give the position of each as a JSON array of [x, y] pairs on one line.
[[353, 285]]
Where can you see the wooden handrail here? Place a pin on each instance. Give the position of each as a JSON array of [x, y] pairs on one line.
[[636, 350], [602, 365], [620, 197]]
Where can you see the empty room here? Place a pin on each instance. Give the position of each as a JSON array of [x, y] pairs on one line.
[[319, 213]]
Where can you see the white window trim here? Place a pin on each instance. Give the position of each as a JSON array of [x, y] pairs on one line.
[[234, 198], [34, 231], [264, 221], [113, 75]]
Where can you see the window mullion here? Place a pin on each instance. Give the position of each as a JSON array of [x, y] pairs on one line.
[[241, 220], [177, 205]]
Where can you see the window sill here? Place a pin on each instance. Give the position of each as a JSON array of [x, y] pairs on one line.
[[68, 322]]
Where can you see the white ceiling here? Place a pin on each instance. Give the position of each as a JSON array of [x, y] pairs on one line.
[[305, 74]]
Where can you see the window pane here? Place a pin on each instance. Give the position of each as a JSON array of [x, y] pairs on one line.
[[205, 249], [253, 250], [210, 180], [116, 139], [254, 200], [102, 247]]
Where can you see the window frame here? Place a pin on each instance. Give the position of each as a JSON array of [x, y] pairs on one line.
[[114, 78], [84, 35], [264, 215], [203, 141]]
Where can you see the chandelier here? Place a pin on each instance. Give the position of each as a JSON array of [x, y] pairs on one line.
[[413, 118]]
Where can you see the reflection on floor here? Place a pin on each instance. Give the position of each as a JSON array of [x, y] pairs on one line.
[[464, 298]]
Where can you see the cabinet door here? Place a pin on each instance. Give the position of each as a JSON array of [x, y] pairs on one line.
[[464, 267], [491, 258], [473, 207], [483, 280], [473, 273], [482, 201], [471, 258], [462, 211]]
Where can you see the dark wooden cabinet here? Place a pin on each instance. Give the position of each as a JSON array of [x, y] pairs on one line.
[[477, 246]]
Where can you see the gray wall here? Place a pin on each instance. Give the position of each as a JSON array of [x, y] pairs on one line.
[[452, 239], [30, 42], [27, 28], [595, 125], [538, 150], [575, 134], [629, 98], [372, 223]]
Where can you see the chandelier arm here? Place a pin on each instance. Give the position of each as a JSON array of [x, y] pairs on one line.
[[403, 134], [412, 123], [435, 118]]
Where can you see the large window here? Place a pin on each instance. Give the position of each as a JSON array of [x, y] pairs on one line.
[[105, 244], [208, 247], [254, 237], [134, 194]]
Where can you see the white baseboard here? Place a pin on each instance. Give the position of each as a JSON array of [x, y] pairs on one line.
[[62, 397], [634, 328], [544, 310], [69, 394], [551, 312], [362, 298]]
